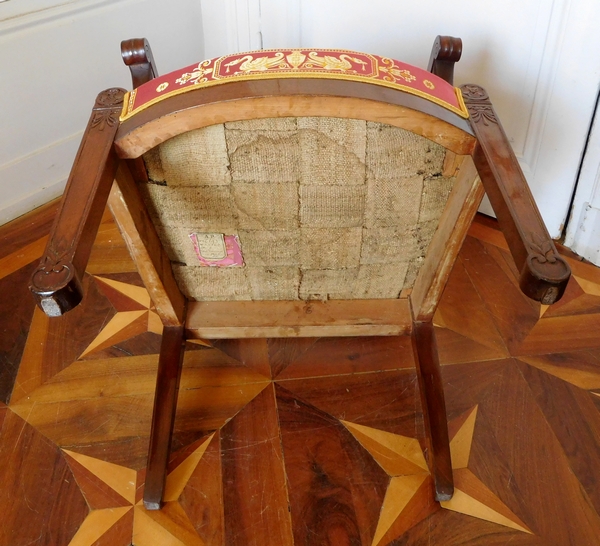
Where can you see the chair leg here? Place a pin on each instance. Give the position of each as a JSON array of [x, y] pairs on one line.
[[163, 416], [434, 408]]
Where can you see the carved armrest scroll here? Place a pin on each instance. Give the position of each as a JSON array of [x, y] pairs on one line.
[[446, 51], [56, 283], [543, 272], [137, 55]]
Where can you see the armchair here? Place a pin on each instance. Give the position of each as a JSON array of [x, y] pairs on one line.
[[298, 193]]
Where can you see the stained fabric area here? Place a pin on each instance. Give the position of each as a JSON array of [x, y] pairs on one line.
[[323, 208]]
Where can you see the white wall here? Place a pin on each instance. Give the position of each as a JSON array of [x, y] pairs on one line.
[[537, 58], [54, 62]]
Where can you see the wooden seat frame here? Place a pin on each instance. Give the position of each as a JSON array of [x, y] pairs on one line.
[[479, 153]]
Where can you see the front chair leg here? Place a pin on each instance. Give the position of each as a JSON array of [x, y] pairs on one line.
[[163, 415], [434, 408]]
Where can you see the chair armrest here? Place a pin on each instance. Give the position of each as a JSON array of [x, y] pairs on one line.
[[137, 55], [543, 273], [446, 51], [56, 283]]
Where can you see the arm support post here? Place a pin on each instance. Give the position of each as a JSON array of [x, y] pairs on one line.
[[543, 273], [56, 283]]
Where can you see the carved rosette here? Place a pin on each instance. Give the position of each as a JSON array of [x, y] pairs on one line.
[[54, 283], [545, 269], [107, 109], [478, 104]]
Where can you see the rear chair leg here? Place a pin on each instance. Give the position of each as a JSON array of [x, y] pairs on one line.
[[434, 408], [163, 416]]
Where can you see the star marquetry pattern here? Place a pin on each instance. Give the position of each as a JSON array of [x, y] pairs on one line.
[[409, 496], [135, 314], [114, 493]]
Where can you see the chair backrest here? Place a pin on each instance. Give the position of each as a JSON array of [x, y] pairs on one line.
[[294, 175], [331, 191]]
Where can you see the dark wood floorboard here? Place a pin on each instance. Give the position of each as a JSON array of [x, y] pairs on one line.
[[304, 442]]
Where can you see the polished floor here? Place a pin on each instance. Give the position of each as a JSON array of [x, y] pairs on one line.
[[307, 442]]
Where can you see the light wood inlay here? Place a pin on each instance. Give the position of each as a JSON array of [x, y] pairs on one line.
[[526, 459], [97, 524]]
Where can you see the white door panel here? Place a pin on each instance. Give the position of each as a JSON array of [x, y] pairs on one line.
[[537, 59]]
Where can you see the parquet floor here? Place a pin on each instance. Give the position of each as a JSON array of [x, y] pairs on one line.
[[307, 442]]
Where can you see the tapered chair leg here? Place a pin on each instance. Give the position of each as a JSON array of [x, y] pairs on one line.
[[163, 416], [434, 408]]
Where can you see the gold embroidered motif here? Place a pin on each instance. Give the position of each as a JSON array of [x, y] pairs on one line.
[[250, 64], [296, 58], [162, 87], [394, 72], [197, 76], [294, 63], [328, 62]]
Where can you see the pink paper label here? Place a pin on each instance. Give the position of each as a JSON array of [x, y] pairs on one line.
[[217, 249]]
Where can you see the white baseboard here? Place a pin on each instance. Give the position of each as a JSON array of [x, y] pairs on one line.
[[21, 189]]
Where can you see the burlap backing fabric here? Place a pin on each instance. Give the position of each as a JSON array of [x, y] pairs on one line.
[[323, 208]]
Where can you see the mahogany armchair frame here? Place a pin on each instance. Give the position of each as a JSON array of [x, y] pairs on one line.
[[111, 151]]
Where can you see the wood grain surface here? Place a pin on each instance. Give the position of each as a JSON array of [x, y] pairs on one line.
[[306, 441]]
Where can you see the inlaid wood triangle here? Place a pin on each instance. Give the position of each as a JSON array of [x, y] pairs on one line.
[[559, 334], [464, 312], [120, 478], [98, 494], [462, 439], [119, 534], [30, 373], [97, 524], [586, 377], [582, 296], [403, 493], [169, 526], [121, 327], [589, 287], [511, 311], [473, 498], [134, 316], [455, 348], [397, 455], [132, 292], [178, 478], [202, 497]]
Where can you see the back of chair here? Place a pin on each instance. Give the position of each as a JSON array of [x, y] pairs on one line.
[[296, 207], [296, 175], [316, 183]]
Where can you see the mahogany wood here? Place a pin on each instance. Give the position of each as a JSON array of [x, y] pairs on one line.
[[447, 241], [56, 284], [163, 416], [478, 148], [291, 97], [446, 51], [543, 273], [434, 408], [145, 247], [27, 230], [240, 319], [534, 448], [137, 55]]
